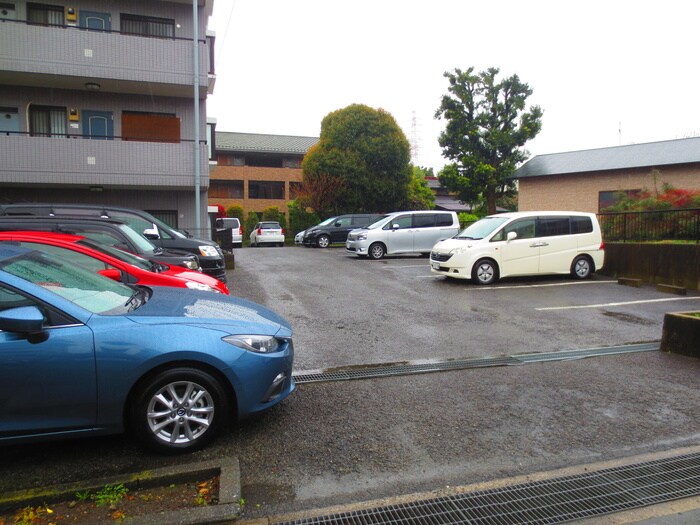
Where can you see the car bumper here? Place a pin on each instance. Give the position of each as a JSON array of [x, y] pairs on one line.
[[356, 247]]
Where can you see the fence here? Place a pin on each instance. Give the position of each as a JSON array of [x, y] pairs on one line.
[[667, 225]]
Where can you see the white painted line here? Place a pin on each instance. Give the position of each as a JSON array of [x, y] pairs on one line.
[[603, 305], [412, 266], [527, 286]]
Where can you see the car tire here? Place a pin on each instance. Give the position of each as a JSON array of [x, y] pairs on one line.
[[179, 410], [582, 267], [376, 251], [323, 241], [485, 271]]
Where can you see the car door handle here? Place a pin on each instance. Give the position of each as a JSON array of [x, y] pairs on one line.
[[538, 244]]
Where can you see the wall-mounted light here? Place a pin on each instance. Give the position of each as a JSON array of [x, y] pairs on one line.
[[92, 86]]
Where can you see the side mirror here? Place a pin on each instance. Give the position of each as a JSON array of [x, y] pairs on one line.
[[26, 320], [151, 233], [395, 226], [511, 236], [111, 273]]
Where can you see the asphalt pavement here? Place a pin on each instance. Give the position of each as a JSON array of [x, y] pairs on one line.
[[347, 442]]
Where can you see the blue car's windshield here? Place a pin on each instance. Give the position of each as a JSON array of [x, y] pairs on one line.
[[82, 287]]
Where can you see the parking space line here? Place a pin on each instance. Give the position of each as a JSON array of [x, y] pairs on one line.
[[528, 286], [624, 303]]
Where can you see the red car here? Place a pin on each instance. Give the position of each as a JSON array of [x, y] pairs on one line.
[[112, 262]]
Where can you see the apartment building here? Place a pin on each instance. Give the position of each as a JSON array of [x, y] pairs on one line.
[[256, 171], [97, 104]]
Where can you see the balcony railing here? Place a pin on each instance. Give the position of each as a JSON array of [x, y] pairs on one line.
[[70, 56], [68, 160]]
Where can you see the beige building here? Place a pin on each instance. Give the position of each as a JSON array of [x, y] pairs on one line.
[[256, 171], [589, 180]]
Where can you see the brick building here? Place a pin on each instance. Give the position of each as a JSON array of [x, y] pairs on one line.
[[588, 180], [256, 171]]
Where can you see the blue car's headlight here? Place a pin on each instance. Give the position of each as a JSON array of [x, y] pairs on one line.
[[261, 344]]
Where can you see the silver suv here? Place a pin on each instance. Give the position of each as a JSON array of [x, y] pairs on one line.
[[403, 233]]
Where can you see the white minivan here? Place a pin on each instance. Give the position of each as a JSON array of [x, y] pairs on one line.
[[403, 233], [522, 243]]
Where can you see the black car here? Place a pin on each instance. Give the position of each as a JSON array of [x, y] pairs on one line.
[[106, 231], [336, 229], [159, 233]]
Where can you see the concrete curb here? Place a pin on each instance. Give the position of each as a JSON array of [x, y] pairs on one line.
[[226, 510]]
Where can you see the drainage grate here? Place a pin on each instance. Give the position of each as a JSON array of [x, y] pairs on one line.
[[399, 369], [543, 502]]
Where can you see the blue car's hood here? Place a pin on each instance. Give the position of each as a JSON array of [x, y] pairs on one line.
[[206, 308]]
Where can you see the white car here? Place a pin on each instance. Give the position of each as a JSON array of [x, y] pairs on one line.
[[267, 232], [524, 243]]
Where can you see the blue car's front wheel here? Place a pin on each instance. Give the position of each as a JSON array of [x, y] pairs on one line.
[[179, 410]]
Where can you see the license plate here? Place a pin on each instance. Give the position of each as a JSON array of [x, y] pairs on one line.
[[436, 266]]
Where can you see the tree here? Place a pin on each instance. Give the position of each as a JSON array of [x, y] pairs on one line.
[[420, 196], [320, 191], [366, 150], [487, 126]]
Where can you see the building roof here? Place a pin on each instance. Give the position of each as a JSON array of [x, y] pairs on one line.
[[258, 143], [650, 154]]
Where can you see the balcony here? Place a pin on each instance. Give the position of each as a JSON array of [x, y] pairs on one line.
[[67, 57], [75, 161]]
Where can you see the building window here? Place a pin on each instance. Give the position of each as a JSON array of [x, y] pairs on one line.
[[150, 127], [44, 14], [291, 162], [607, 199], [147, 26], [47, 121], [261, 189], [226, 189]]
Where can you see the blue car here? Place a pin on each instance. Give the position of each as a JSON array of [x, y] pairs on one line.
[[81, 354]]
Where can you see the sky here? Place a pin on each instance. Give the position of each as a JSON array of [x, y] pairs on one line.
[[605, 73]]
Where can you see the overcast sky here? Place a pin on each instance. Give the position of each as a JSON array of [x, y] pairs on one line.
[[604, 72]]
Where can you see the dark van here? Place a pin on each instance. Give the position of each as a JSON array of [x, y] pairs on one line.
[[159, 233], [336, 229], [106, 231]]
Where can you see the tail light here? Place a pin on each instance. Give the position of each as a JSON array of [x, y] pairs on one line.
[[240, 230], [259, 231], [282, 231], [602, 246]]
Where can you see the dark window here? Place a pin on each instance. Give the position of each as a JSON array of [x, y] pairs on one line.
[[263, 161], [581, 224], [606, 199], [443, 219], [291, 162], [424, 220], [525, 228], [402, 221], [47, 121], [551, 226], [226, 189], [50, 15], [147, 26], [261, 189]]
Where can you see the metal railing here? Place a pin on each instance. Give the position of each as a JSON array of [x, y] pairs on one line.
[[663, 225]]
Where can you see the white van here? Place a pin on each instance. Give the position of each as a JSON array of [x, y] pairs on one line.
[[523, 243], [403, 232]]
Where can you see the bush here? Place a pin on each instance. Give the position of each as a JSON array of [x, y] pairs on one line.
[[236, 211], [465, 219]]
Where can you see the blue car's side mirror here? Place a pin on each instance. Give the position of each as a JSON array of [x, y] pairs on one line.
[[25, 320]]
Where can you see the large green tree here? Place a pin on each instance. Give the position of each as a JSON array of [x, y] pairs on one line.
[[420, 196], [487, 127], [366, 149]]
